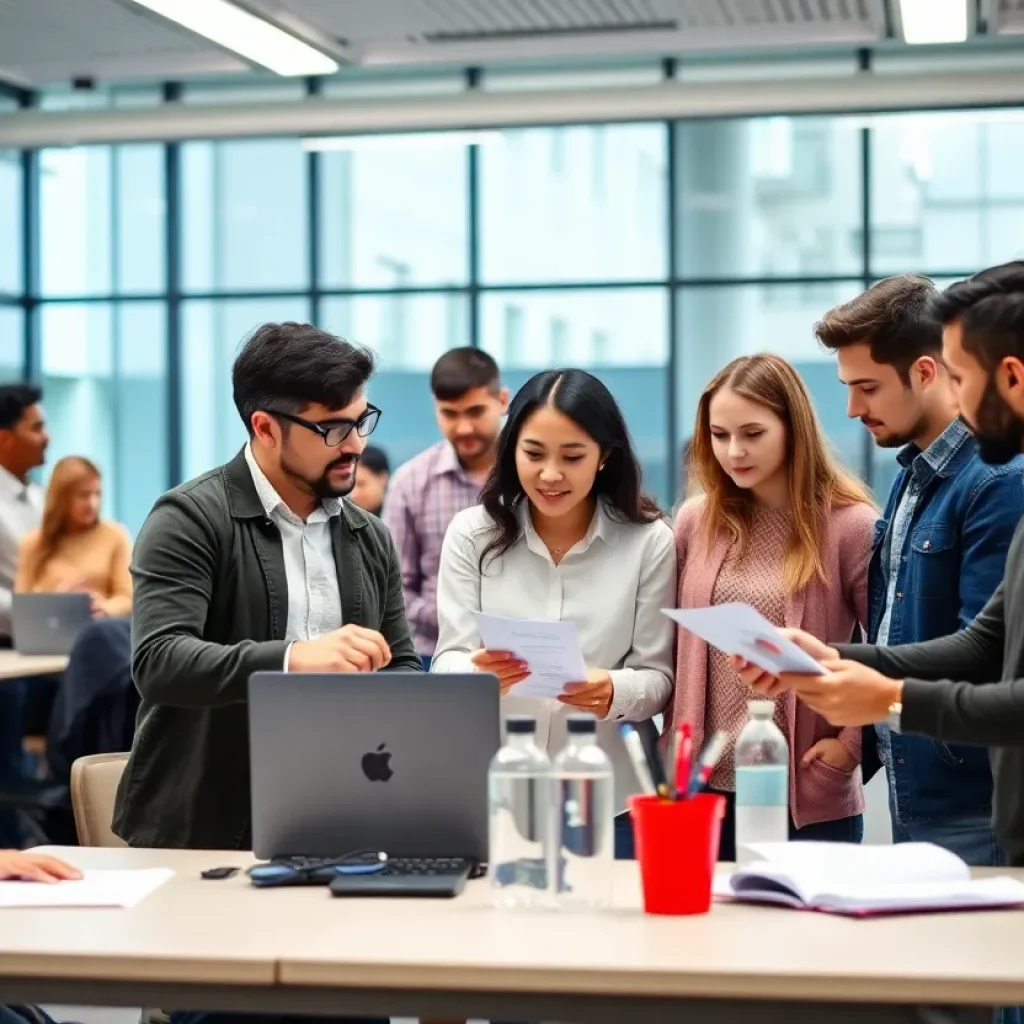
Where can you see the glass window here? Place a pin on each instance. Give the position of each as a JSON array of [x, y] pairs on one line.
[[621, 335], [79, 388], [10, 222], [244, 215], [212, 335], [12, 343], [104, 391], [946, 180], [717, 323], [395, 213], [139, 211], [768, 197], [574, 204], [141, 440], [76, 221], [409, 333]]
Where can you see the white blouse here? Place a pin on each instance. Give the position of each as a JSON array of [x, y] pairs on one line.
[[612, 584]]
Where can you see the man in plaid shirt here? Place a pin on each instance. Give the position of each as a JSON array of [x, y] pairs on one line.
[[426, 493]]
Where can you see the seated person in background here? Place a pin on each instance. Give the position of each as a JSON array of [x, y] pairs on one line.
[[564, 531], [74, 551], [372, 475], [780, 526]]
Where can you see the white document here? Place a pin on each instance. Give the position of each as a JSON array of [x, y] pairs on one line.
[[550, 649], [735, 629], [94, 889], [860, 881]]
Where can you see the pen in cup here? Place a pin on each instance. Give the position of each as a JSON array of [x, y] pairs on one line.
[[638, 757], [683, 758], [709, 757]]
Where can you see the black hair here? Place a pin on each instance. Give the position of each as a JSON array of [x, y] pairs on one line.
[[288, 366], [589, 404], [15, 399], [460, 370], [989, 307], [375, 459]]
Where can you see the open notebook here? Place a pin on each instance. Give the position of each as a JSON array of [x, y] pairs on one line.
[[844, 878]]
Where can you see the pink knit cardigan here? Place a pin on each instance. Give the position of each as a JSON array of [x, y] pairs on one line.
[[829, 612]]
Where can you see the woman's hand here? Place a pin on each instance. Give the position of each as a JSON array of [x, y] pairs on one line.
[[98, 605], [595, 695], [504, 664], [832, 753], [35, 867]]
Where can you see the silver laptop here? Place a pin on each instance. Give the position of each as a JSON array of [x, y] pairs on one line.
[[390, 761], [48, 623]]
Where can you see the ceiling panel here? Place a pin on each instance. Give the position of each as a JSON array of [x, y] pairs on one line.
[[51, 40], [411, 31]]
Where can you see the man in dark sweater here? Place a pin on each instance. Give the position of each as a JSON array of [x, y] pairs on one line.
[[947, 688]]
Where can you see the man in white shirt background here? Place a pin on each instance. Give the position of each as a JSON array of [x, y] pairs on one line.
[[23, 441]]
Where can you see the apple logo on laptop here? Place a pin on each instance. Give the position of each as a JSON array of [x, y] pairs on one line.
[[376, 766]]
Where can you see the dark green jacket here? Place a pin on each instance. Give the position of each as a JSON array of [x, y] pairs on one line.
[[210, 608]]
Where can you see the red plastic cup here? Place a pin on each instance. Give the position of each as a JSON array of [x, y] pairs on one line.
[[677, 847]]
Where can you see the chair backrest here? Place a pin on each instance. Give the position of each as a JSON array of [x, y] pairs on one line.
[[94, 781]]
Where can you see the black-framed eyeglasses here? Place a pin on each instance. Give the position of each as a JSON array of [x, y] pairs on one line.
[[335, 431]]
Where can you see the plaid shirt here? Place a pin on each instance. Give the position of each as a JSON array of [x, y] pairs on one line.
[[424, 496]]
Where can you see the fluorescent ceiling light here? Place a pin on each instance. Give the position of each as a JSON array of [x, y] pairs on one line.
[[934, 21], [250, 37], [394, 141]]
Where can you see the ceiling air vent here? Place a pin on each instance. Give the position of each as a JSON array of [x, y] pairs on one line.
[[499, 20]]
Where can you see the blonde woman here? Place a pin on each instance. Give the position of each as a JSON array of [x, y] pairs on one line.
[[780, 526], [74, 551]]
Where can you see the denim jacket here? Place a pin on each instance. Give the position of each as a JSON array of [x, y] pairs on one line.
[[952, 559]]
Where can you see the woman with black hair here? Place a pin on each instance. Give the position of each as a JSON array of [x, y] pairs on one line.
[[564, 532]]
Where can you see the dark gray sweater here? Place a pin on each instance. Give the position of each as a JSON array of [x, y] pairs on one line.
[[977, 709]]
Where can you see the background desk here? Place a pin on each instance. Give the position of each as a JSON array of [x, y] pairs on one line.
[[226, 945], [19, 666]]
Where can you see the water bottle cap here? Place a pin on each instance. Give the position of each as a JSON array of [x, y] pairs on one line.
[[760, 708], [520, 725], [576, 724]]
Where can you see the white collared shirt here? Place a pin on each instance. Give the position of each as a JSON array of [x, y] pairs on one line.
[[612, 584], [314, 598], [21, 510]]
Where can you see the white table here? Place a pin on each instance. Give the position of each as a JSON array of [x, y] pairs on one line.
[[225, 945], [20, 666]]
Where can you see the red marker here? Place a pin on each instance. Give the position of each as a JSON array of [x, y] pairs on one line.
[[684, 756]]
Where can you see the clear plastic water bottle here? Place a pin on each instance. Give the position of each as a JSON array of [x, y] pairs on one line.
[[583, 841], [762, 781], [519, 788]]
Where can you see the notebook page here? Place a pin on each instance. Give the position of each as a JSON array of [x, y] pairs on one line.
[[981, 892], [812, 869], [94, 889]]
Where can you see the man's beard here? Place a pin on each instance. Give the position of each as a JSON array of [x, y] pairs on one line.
[[899, 440], [321, 486], [999, 433]]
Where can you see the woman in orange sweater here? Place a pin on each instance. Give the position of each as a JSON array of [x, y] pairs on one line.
[[74, 551]]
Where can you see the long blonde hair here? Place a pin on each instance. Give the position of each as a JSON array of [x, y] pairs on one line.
[[817, 483], [68, 475]]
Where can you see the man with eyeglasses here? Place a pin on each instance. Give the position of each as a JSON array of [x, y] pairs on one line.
[[256, 565]]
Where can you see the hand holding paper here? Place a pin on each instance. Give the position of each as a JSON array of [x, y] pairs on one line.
[[550, 649], [741, 630]]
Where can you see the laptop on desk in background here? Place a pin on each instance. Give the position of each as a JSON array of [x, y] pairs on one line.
[[388, 761], [48, 623]]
